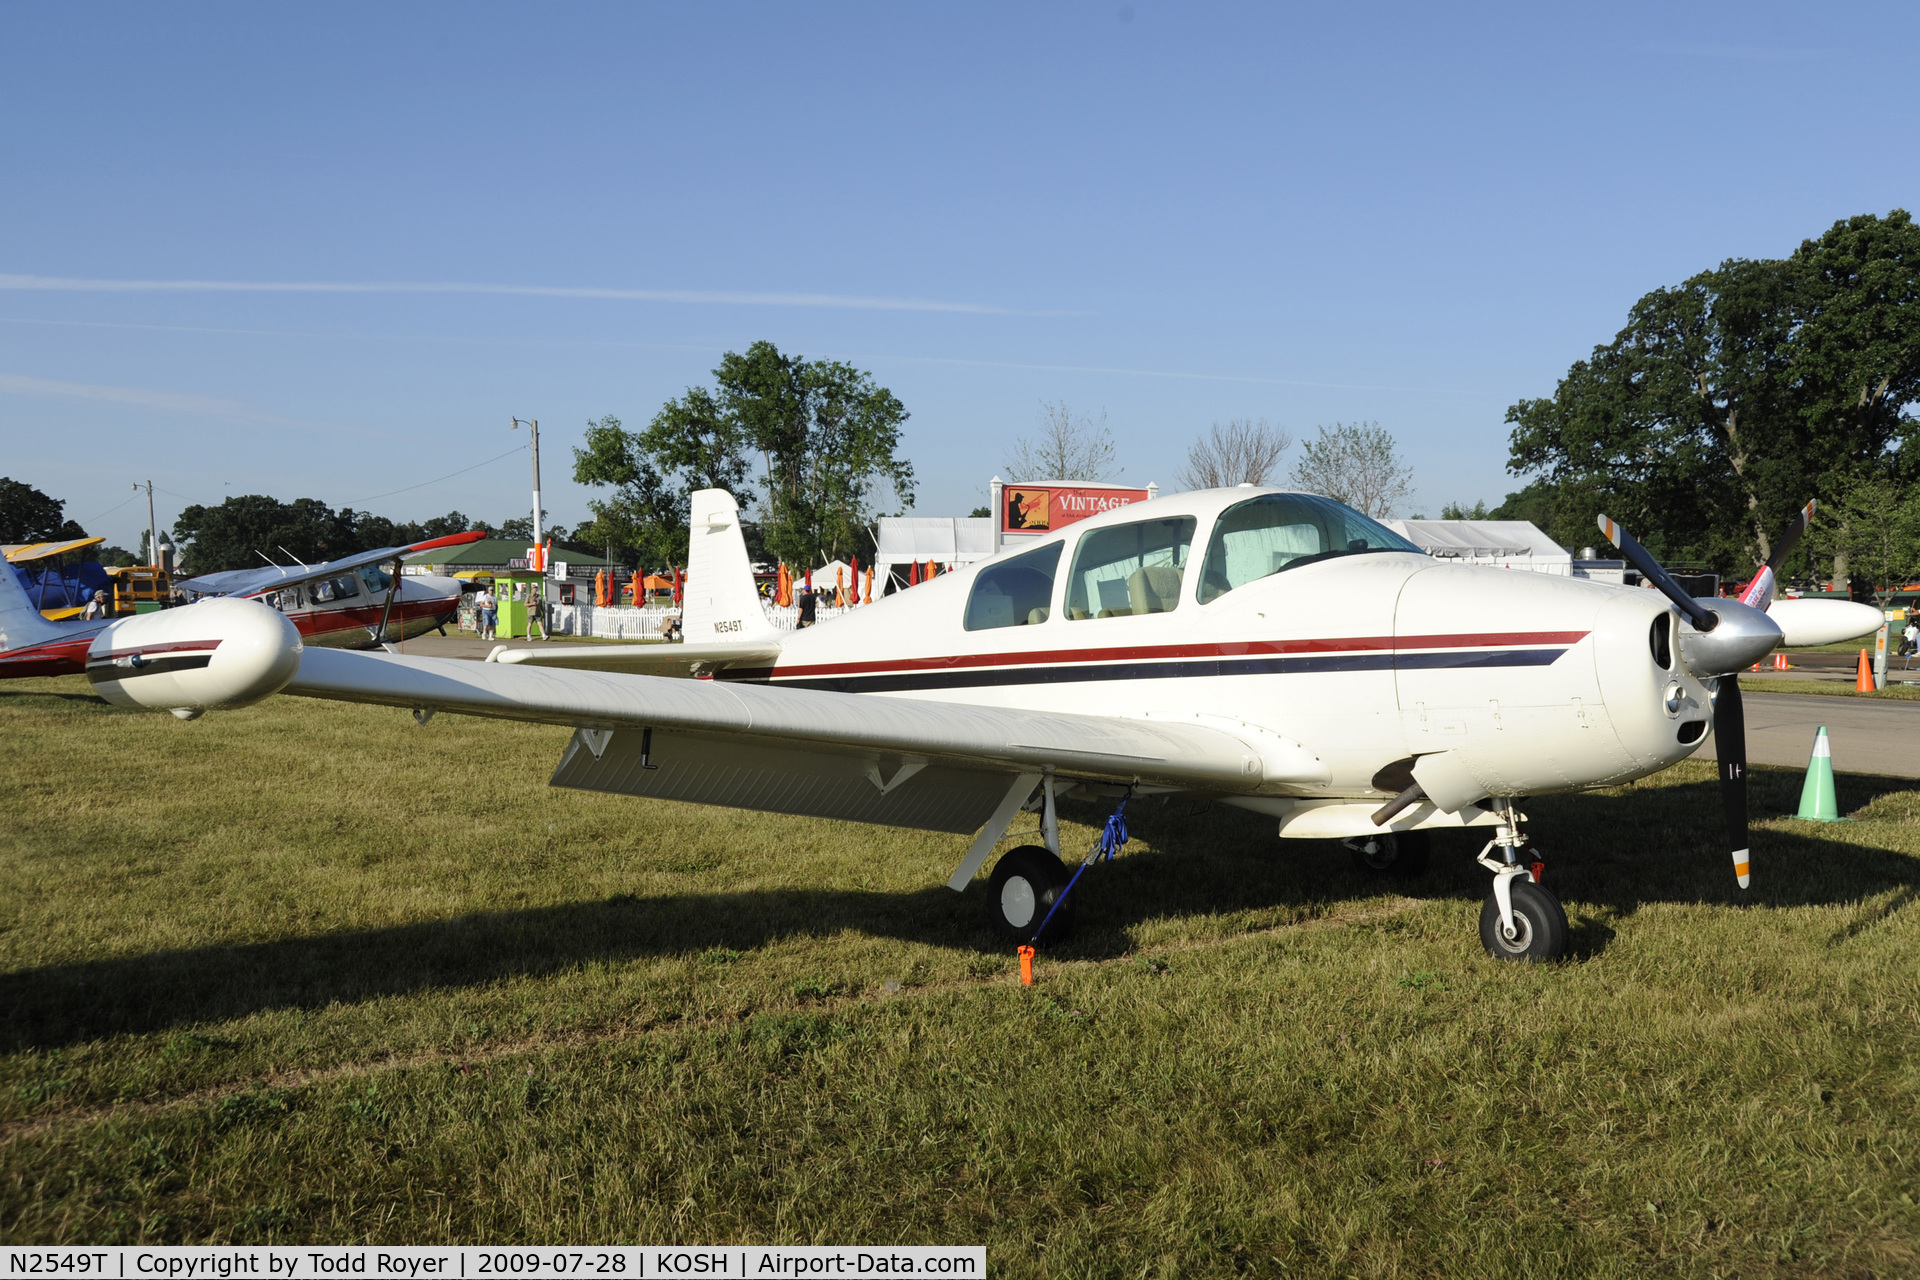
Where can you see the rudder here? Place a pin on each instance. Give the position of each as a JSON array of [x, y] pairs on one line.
[[21, 624], [721, 602]]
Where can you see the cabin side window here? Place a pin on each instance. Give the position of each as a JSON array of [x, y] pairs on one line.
[[1279, 531], [1014, 593], [376, 579], [322, 591], [346, 586], [1130, 569]]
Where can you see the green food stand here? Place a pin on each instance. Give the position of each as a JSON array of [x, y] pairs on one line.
[[520, 598]]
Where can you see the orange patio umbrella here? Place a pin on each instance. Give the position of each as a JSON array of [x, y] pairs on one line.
[[869, 584], [839, 588]]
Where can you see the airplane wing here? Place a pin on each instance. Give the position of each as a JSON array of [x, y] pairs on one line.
[[929, 765], [652, 659], [27, 552], [252, 582]]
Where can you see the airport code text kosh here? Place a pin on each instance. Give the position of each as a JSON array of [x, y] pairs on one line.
[[279, 1262]]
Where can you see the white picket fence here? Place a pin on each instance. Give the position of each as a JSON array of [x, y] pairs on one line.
[[624, 622]]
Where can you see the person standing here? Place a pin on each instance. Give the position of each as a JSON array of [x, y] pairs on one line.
[[484, 612], [96, 607]]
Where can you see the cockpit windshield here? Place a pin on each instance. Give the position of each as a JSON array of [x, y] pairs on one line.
[[1276, 531]]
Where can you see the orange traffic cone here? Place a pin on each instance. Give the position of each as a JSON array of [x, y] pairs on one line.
[[1864, 680], [1780, 662]]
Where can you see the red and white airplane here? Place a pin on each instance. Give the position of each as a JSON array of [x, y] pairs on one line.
[[1272, 650], [350, 603]]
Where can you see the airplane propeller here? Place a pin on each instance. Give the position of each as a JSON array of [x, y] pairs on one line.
[[1711, 652]]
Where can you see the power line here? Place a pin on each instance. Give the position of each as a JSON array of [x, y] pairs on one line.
[[519, 448], [104, 514]]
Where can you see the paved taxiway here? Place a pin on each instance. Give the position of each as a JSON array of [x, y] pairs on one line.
[[1867, 736]]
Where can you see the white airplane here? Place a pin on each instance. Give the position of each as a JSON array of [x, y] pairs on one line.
[[1272, 650]]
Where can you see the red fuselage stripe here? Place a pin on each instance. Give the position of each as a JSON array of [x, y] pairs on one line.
[[1230, 649]]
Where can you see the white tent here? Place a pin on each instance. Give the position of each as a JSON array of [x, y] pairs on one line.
[[1509, 544], [947, 540]]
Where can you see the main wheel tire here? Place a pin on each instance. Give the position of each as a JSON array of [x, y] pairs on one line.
[[1025, 885], [1392, 853], [1539, 925]]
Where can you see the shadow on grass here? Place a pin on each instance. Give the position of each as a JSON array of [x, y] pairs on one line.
[[1652, 843]]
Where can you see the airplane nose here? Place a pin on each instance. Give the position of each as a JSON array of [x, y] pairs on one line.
[[1743, 637]]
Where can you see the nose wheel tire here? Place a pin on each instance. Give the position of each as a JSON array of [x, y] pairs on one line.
[[1392, 853], [1025, 885], [1539, 925]]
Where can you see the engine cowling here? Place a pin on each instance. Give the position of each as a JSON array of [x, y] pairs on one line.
[[210, 655]]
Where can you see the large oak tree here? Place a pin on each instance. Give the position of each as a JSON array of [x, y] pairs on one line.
[[1732, 398]]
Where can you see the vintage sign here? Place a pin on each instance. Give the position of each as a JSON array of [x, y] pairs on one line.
[[1036, 508]]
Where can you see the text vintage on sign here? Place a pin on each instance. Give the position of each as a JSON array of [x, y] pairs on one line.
[[1039, 508]]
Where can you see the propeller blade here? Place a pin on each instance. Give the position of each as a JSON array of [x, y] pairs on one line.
[[1642, 559], [1791, 538], [1730, 744], [1759, 592]]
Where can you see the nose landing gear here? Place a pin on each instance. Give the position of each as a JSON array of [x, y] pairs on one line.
[[1521, 920]]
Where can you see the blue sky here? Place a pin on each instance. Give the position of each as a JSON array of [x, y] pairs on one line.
[[330, 252]]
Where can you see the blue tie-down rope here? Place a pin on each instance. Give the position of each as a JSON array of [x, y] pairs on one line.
[[1111, 840]]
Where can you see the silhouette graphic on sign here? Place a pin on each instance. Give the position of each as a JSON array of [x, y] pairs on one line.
[[1027, 509]]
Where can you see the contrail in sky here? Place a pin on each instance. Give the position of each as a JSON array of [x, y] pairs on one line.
[[843, 302], [163, 401]]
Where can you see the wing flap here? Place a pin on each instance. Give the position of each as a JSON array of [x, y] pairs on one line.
[[691, 658], [780, 777]]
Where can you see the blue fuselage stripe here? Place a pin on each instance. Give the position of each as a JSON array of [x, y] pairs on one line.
[[902, 681]]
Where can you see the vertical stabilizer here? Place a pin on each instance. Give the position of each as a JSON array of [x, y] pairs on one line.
[[21, 624], [721, 602]]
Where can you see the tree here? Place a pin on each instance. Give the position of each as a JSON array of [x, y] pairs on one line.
[[1241, 452], [28, 515], [828, 438], [1460, 511], [1874, 530], [1729, 400], [1068, 446], [250, 530], [1356, 463], [644, 520]]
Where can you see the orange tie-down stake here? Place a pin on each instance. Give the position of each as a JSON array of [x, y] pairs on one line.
[[1026, 966]]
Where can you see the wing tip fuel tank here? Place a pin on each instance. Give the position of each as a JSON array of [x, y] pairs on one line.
[[215, 654]]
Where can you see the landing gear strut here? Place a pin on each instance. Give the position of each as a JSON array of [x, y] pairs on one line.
[[1521, 920]]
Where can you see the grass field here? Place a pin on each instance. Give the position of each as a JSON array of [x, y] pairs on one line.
[[1829, 689], [309, 972]]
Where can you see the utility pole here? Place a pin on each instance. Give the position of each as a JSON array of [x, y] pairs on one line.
[[153, 528], [534, 427]]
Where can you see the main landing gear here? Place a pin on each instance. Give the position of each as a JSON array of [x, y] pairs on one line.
[[1521, 920], [1026, 883], [1391, 853]]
